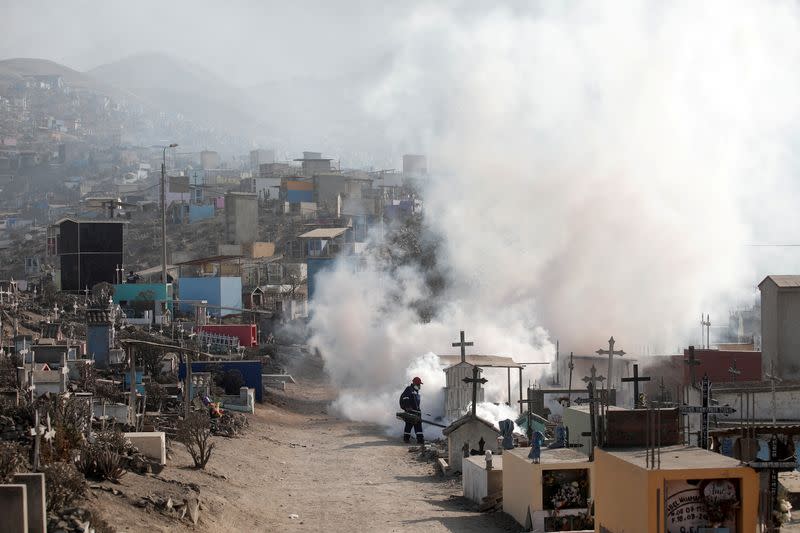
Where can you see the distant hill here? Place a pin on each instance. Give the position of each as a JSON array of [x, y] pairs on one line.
[[14, 70], [159, 71], [169, 84]]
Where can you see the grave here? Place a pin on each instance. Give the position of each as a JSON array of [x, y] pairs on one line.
[[478, 480], [469, 432], [36, 500], [151, 444], [245, 402], [14, 508], [550, 494], [690, 489], [250, 371]]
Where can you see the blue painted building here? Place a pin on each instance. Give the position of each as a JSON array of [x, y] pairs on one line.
[[135, 298], [314, 266], [200, 212], [99, 336], [218, 291], [250, 371]]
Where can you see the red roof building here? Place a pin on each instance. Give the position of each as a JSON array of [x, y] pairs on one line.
[[716, 363]]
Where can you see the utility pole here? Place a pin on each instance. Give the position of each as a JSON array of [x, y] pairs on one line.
[[705, 324], [164, 212]]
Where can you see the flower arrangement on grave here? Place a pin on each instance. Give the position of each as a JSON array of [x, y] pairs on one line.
[[567, 495], [721, 501]]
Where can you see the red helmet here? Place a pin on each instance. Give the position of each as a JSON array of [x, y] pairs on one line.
[[416, 381]]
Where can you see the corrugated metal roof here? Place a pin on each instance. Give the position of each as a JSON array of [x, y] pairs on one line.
[[783, 280], [212, 259], [481, 360], [323, 233]]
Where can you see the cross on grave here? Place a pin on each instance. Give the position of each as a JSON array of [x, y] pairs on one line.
[[704, 410], [592, 401], [733, 371], [692, 361], [773, 378], [474, 380], [592, 380], [663, 391], [637, 404], [611, 353], [774, 465], [463, 344], [571, 366]]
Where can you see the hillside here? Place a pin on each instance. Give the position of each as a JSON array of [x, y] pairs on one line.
[[168, 84], [13, 70]]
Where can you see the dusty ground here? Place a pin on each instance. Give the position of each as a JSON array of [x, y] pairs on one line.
[[335, 475]]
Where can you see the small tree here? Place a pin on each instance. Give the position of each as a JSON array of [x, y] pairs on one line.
[[195, 433]]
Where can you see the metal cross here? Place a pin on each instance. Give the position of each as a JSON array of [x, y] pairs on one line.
[[733, 371], [773, 378], [463, 344], [474, 380], [704, 410], [663, 390], [571, 366], [610, 353], [692, 361], [592, 401], [635, 380]]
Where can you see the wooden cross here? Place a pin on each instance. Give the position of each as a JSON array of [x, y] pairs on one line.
[[692, 361], [611, 353], [733, 371], [474, 380], [463, 344], [635, 380]]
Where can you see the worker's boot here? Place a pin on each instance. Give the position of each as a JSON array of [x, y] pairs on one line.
[[406, 437], [420, 439]]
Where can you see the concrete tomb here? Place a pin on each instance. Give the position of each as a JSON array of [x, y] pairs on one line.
[[152, 444], [36, 500], [14, 508], [551, 495], [479, 480], [466, 433]]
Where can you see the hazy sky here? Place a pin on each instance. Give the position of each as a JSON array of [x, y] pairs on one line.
[[245, 41]]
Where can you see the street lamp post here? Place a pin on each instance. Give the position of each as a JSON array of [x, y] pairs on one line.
[[164, 212]]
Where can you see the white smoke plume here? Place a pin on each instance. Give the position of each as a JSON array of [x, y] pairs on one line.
[[598, 169]]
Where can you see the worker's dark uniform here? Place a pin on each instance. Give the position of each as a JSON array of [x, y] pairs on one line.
[[410, 402]]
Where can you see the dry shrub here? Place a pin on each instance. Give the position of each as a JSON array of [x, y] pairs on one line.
[[64, 483], [195, 433], [229, 424], [103, 459], [13, 459], [114, 440], [155, 395], [96, 462]]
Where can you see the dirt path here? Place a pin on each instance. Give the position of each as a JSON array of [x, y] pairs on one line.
[[296, 459]]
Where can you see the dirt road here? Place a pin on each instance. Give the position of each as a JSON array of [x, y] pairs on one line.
[[296, 459]]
